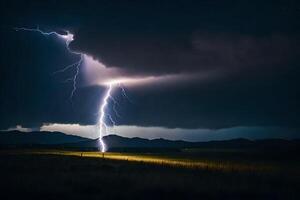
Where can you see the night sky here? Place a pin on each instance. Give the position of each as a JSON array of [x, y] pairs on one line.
[[220, 69]]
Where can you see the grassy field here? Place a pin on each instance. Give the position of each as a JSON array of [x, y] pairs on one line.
[[57, 174]]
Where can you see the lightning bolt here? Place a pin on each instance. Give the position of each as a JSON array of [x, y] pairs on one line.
[[124, 92], [103, 114], [115, 103], [101, 124], [68, 38]]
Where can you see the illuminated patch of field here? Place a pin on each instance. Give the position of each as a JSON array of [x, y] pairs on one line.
[[164, 160]]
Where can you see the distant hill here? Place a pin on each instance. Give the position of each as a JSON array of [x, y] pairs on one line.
[[115, 142], [15, 138]]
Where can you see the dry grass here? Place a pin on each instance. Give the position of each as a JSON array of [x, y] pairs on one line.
[[56, 174], [164, 160]]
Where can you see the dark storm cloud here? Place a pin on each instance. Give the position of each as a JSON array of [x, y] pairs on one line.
[[245, 100], [195, 53], [161, 38], [251, 46]]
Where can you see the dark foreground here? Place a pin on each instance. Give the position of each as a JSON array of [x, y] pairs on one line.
[[45, 176]]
